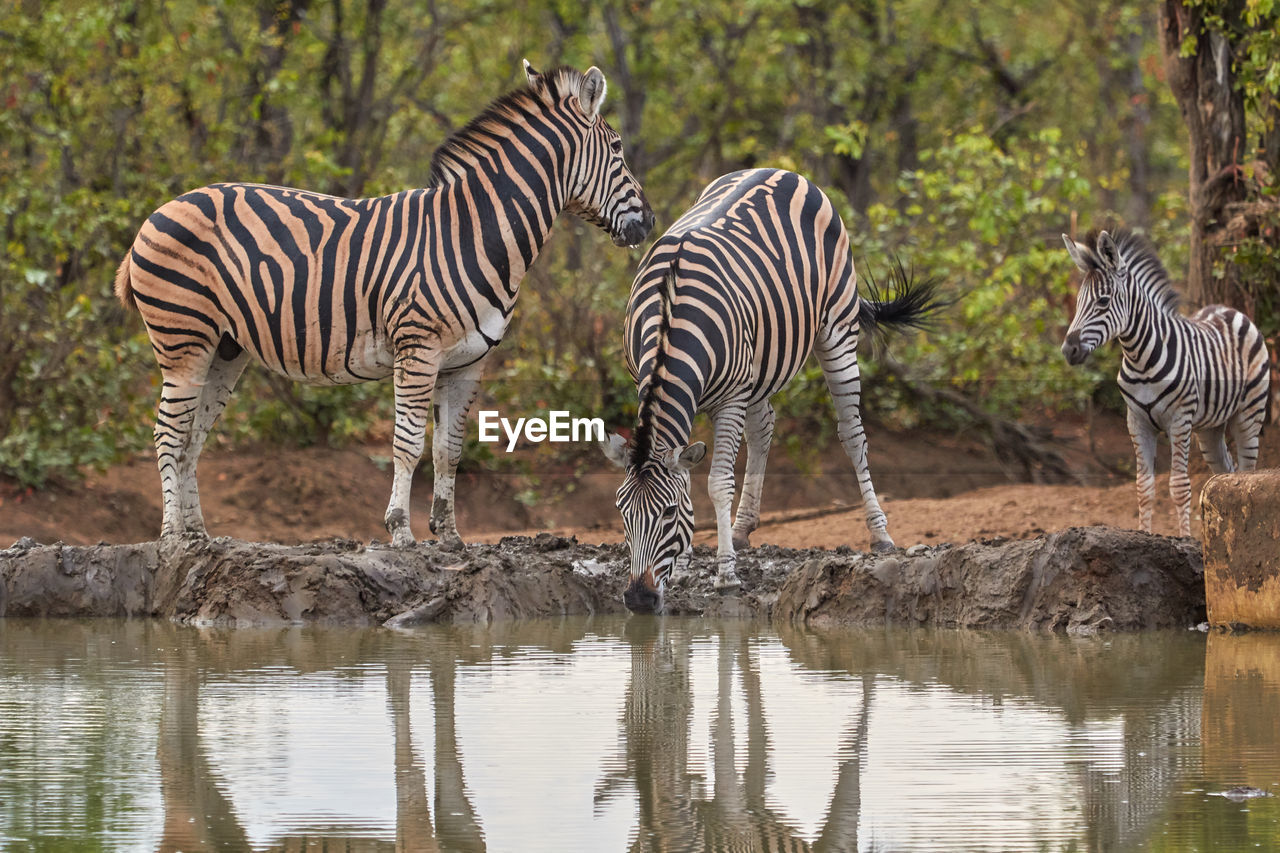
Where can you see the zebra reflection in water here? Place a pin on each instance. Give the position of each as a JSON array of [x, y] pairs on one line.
[[198, 815], [674, 812]]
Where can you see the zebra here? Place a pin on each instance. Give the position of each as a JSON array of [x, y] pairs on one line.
[[723, 312], [420, 284], [1207, 373]]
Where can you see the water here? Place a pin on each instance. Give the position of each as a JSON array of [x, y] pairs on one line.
[[643, 734]]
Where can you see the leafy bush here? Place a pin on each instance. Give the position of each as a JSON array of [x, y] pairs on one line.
[[986, 222]]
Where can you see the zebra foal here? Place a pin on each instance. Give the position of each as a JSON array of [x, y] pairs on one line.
[[1207, 373], [724, 310], [420, 284]]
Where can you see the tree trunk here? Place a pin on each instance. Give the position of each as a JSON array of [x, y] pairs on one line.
[[1136, 126], [1204, 85]]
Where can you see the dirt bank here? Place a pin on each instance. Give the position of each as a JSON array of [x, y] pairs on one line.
[[935, 487], [1078, 580]]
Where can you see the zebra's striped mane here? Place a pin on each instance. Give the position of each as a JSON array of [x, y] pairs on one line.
[[642, 447], [455, 156], [1138, 253]]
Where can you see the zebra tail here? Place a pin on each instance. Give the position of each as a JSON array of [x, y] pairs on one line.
[[124, 287], [913, 305]]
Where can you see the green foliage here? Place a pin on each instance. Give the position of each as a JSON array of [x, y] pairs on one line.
[[1000, 342], [986, 223], [68, 372], [963, 137]]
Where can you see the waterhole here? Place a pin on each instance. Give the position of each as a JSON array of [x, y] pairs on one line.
[[640, 733]]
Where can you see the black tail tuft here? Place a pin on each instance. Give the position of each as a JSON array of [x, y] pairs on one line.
[[913, 305]]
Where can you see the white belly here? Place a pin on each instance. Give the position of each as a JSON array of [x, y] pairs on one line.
[[476, 343]]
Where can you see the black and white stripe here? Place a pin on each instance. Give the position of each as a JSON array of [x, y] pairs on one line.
[[725, 309], [1207, 373], [420, 284]]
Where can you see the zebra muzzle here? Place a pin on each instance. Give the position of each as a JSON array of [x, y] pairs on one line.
[[634, 228], [643, 595], [1073, 350]]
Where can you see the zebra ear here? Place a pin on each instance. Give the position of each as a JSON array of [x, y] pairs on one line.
[[615, 449], [691, 455], [1107, 251], [530, 74], [591, 92], [1078, 253]]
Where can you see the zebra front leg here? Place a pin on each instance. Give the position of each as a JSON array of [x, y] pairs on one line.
[[728, 421], [417, 362], [1144, 448], [838, 356], [1179, 481], [455, 393], [759, 434]]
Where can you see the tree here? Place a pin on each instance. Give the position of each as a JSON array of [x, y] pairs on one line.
[[1222, 63]]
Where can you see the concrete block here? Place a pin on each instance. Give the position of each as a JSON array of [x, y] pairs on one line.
[[1241, 537]]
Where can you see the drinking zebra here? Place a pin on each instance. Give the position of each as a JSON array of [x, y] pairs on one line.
[[334, 291], [723, 313], [1206, 374]]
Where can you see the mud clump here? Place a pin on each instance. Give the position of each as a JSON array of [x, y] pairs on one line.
[[1080, 580]]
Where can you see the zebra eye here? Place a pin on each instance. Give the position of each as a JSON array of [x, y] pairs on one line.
[[669, 513], [616, 146], [1104, 301]]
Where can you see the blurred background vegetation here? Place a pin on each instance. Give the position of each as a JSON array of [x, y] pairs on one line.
[[963, 136]]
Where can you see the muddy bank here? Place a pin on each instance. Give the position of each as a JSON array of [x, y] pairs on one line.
[[1079, 580]]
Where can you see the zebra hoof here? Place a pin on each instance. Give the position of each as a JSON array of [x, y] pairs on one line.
[[727, 582], [883, 547], [451, 543]]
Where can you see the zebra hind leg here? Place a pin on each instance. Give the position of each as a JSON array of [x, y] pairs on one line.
[[1213, 446], [728, 421], [417, 362], [759, 435], [221, 380], [838, 356], [180, 393], [454, 395], [1246, 428]]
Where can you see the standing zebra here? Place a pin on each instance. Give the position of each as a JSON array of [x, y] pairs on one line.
[[723, 313], [1204, 374], [335, 291]]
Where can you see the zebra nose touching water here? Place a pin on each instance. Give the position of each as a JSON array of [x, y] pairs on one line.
[[419, 285], [725, 309], [1207, 373]]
